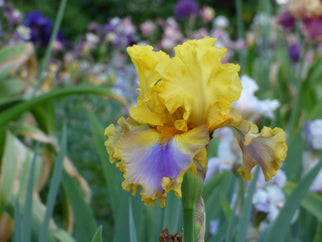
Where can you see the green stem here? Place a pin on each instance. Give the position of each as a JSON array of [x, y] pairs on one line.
[[188, 223], [240, 30], [296, 104], [54, 33]]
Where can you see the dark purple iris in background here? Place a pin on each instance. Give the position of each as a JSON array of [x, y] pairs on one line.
[[185, 9], [294, 51], [286, 20], [40, 26]]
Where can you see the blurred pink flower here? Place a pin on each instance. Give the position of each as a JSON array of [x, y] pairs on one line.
[[148, 28], [312, 29], [200, 33], [171, 35], [167, 43], [207, 13]]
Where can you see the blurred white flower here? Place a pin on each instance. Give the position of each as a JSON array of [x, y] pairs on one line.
[[17, 14], [281, 2], [270, 200], [279, 179], [228, 153], [111, 37], [221, 22], [128, 27], [249, 104], [313, 134], [91, 38], [262, 19], [316, 186], [309, 160], [24, 32]]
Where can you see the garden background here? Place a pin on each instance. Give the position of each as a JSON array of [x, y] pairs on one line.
[[65, 76]]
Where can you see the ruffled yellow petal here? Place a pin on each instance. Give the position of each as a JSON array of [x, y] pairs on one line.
[[114, 135], [197, 81], [144, 112], [110, 144], [268, 148], [149, 65]]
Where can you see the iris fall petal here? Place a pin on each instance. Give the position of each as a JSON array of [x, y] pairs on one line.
[[267, 148], [157, 163]]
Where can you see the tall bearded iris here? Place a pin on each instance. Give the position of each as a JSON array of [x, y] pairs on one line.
[[182, 100]]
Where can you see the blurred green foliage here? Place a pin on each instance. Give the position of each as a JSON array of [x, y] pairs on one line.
[[79, 13]]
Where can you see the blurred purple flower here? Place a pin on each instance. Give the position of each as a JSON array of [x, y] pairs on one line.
[[14, 16], [294, 52], [185, 9], [41, 29], [94, 27], [312, 29], [286, 20], [120, 32], [213, 226], [40, 26]]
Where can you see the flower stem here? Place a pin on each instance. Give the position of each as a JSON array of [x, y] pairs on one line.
[[53, 36], [296, 103], [191, 191], [188, 223]]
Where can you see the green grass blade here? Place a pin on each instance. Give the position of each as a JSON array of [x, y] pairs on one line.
[[280, 227], [85, 224], [18, 223], [112, 174], [172, 212], [122, 232], [133, 234], [61, 235], [231, 224], [18, 109], [318, 234], [246, 210], [8, 167], [27, 214], [54, 186], [54, 33], [311, 203], [98, 235]]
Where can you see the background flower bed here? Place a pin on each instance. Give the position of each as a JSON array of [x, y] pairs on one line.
[[274, 62]]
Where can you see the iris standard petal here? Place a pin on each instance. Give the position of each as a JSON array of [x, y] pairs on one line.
[[268, 148], [149, 66], [197, 81], [155, 162]]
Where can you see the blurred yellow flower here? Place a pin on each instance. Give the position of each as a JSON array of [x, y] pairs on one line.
[[182, 100], [306, 8]]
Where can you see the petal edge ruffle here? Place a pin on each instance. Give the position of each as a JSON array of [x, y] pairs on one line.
[[267, 148]]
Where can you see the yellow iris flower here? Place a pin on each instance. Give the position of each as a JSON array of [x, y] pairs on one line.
[[182, 100]]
